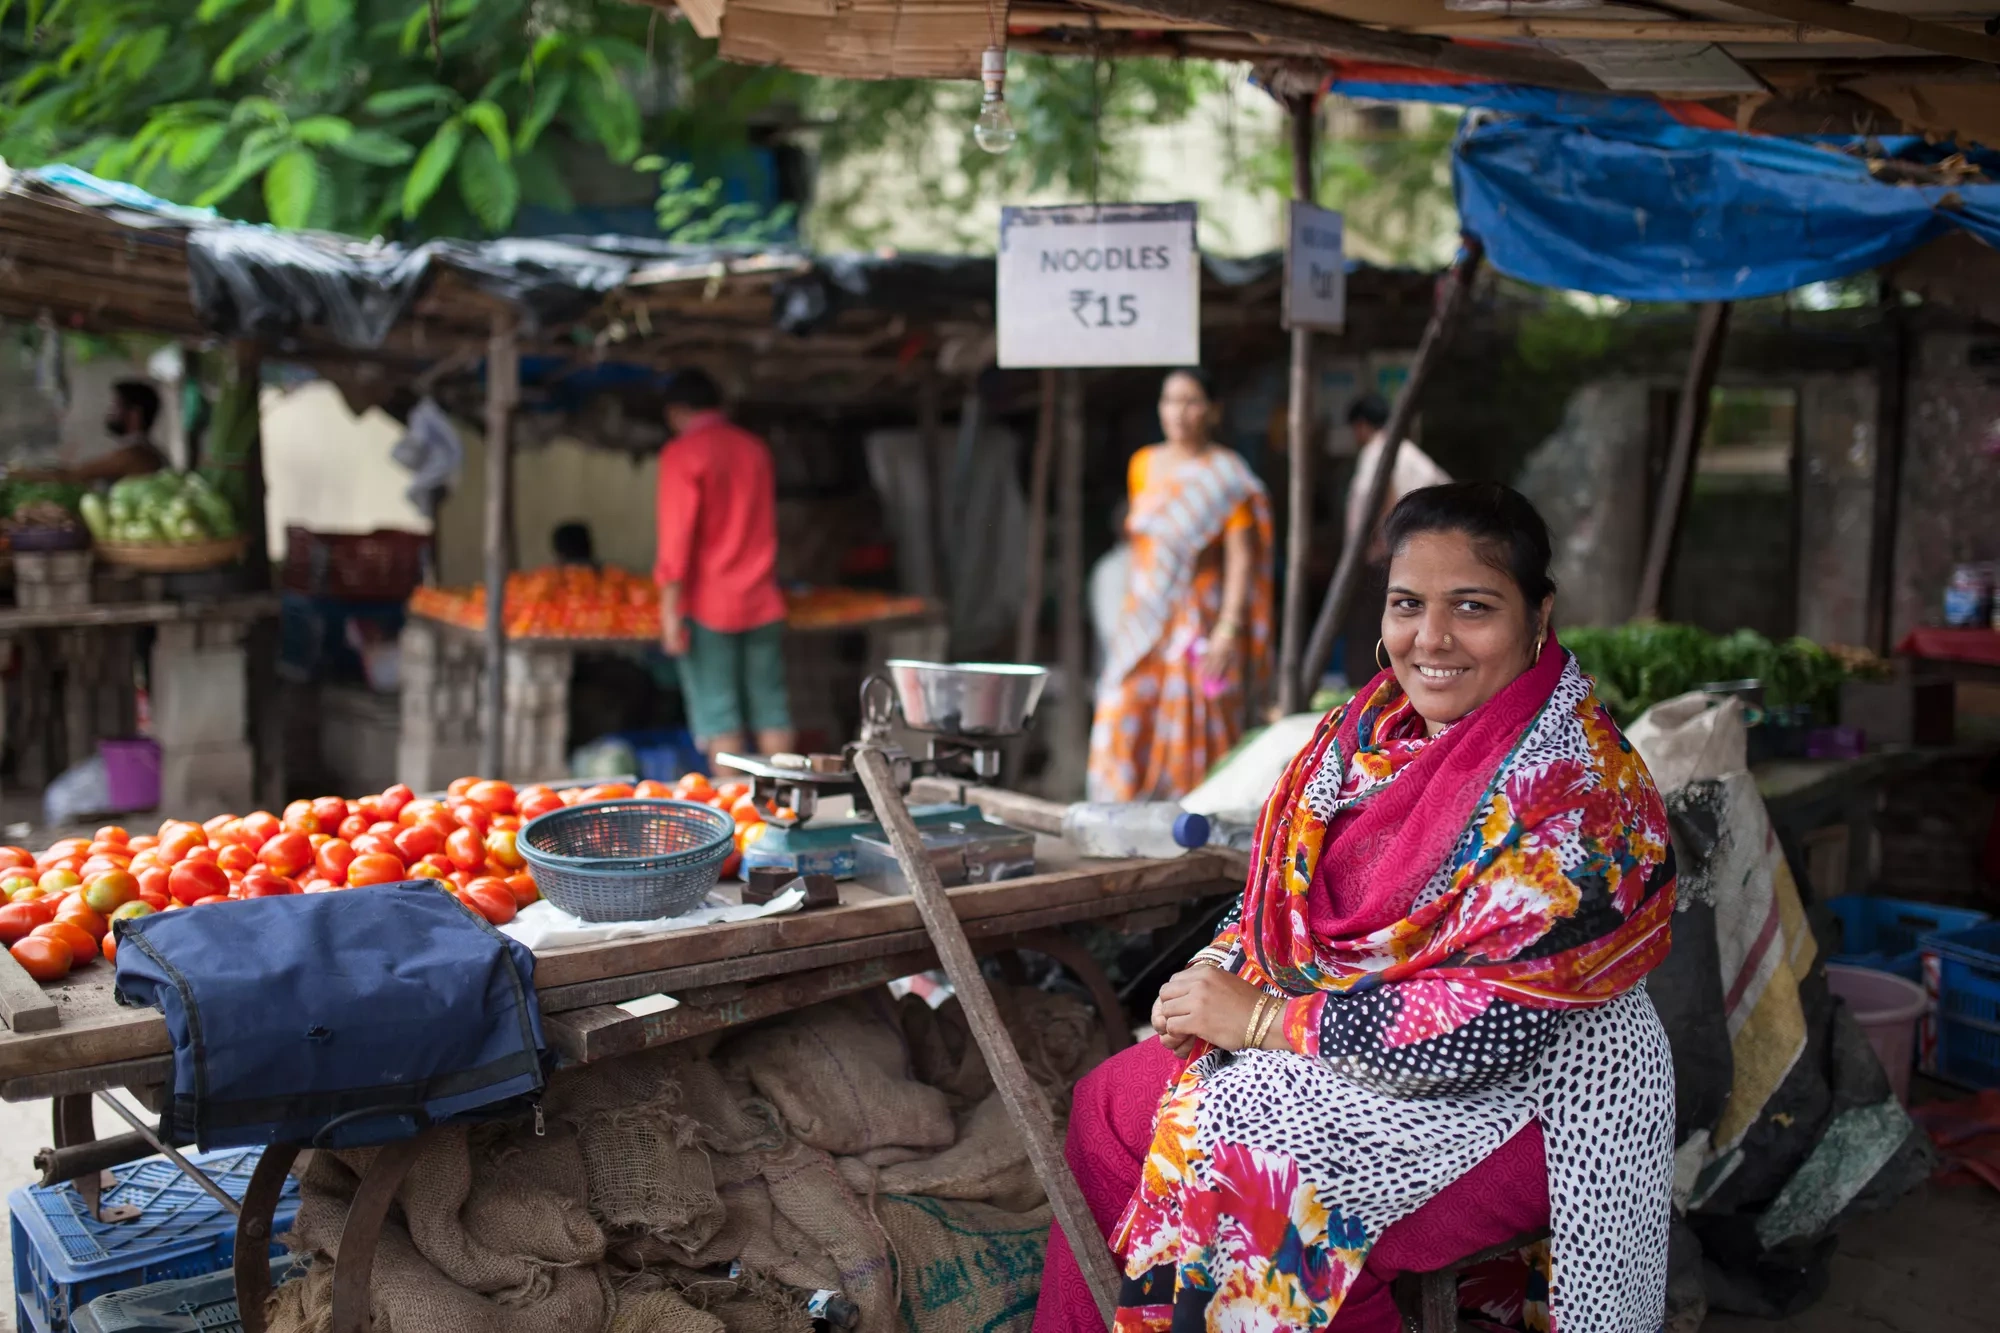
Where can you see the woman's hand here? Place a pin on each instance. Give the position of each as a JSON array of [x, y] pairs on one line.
[[1208, 1004], [1218, 657]]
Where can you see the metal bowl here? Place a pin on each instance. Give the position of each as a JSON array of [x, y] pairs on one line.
[[967, 698]]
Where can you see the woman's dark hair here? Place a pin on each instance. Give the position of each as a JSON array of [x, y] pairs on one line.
[[141, 397], [1370, 408], [1199, 376], [1501, 521]]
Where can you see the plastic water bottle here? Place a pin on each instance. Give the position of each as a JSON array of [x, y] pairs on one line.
[[1237, 834], [1155, 829]]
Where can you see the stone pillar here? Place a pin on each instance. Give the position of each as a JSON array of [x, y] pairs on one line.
[[440, 707], [200, 701]]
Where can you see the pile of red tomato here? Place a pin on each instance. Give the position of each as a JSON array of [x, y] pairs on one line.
[[59, 905]]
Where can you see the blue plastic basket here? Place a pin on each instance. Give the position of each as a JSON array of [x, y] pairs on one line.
[[63, 1260], [1885, 933], [630, 860], [1968, 1004], [184, 1305]]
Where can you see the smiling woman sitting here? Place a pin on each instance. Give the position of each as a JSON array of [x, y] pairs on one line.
[[1424, 1029]]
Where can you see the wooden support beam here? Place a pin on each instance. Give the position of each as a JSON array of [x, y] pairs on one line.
[[1072, 745], [1892, 368], [24, 1005], [1024, 1101], [1881, 26], [1690, 420], [1299, 441], [1038, 519], [1338, 36], [1354, 547], [503, 391]]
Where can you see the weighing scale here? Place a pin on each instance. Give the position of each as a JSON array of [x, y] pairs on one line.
[[966, 710]]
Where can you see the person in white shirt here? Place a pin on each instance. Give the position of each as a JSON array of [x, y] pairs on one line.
[[1414, 470]]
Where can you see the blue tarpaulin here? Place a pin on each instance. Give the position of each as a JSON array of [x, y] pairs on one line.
[[1658, 200], [1669, 212]]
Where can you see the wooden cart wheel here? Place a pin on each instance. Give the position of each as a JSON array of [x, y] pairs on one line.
[[1074, 957], [253, 1233], [363, 1232]]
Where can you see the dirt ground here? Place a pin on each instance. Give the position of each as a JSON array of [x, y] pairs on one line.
[[1929, 1265]]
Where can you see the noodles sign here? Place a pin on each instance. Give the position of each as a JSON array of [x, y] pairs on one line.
[[1099, 285]]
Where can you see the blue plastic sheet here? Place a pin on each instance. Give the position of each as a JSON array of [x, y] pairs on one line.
[[1668, 212]]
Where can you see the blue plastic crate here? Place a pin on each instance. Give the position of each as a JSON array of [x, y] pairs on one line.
[[63, 1260], [1884, 933], [1968, 1004], [184, 1305]]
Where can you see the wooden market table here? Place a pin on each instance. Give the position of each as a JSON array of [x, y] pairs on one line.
[[724, 975]]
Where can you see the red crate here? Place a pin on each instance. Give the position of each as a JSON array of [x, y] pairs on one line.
[[382, 566]]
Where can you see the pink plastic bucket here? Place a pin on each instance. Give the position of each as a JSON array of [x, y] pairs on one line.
[[1887, 1007], [131, 773]]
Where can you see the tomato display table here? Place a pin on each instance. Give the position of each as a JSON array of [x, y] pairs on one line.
[[724, 975]]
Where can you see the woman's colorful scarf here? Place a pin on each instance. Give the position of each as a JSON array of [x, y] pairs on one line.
[[1486, 834], [1179, 515], [1520, 855]]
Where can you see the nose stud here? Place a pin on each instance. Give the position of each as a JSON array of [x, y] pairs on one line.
[[1447, 642]]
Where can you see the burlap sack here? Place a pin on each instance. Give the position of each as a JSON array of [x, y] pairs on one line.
[[647, 1169], [988, 1163], [660, 1311], [496, 1231], [809, 1195], [1059, 1037], [838, 1073], [964, 1265]]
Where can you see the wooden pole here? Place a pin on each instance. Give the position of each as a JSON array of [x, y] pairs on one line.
[[1878, 25], [1354, 548], [1892, 370], [503, 370], [1689, 421], [1299, 482], [248, 369], [1073, 745], [930, 429], [1038, 520], [1023, 1099]]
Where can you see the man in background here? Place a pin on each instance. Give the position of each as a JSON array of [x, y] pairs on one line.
[[135, 407], [1413, 470], [573, 544], [722, 616]]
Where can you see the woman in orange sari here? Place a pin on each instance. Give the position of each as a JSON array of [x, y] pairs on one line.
[[1194, 639]]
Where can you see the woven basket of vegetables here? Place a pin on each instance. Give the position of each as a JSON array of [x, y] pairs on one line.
[[164, 523]]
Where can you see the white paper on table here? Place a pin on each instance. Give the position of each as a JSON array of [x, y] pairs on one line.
[[543, 925]]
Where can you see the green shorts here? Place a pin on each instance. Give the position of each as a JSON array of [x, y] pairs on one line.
[[725, 677]]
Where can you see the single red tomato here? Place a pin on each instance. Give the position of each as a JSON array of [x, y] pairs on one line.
[[153, 883], [218, 825], [460, 786], [213, 898], [731, 864], [113, 833], [506, 823], [18, 920], [368, 807], [500, 847], [431, 867], [269, 886], [649, 790], [82, 944], [354, 826], [236, 857], [332, 860], [491, 898], [394, 799], [259, 828], [175, 846], [102, 847], [99, 865], [466, 849], [300, 817], [385, 828], [609, 791], [416, 810], [372, 843], [204, 852], [110, 946], [145, 842], [522, 885], [145, 861], [496, 797], [417, 842], [287, 854], [16, 858], [331, 811], [94, 924], [439, 821], [42, 958], [475, 817], [375, 868], [194, 880], [745, 810], [536, 802]]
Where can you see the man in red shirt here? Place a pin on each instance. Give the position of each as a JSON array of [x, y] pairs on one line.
[[721, 615]]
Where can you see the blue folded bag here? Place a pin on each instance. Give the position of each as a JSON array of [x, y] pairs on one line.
[[334, 1019]]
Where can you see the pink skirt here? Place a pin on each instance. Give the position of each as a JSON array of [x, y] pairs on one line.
[[1111, 1129]]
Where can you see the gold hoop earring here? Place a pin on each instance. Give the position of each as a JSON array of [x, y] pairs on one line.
[[1378, 656], [1540, 640]]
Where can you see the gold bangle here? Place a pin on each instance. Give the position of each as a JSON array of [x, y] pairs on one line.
[[1277, 1011], [1256, 1016]]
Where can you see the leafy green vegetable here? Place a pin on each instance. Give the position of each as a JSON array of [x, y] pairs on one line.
[[1639, 664]]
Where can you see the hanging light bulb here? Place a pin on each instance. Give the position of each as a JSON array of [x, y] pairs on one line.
[[994, 130]]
